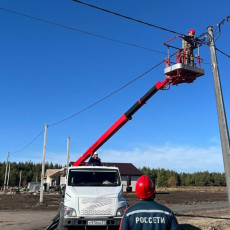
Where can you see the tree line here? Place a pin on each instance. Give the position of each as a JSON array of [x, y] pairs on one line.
[[30, 172], [169, 178]]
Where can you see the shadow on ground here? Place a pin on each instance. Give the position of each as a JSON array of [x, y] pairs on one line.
[[188, 227]]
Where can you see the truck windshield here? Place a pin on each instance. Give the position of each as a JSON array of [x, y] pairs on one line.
[[93, 177]]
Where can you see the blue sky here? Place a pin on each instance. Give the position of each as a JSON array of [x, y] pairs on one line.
[[49, 73]]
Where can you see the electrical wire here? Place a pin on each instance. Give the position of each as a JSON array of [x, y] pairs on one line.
[[203, 40], [100, 36], [223, 21], [30, 143], [129, 18], [227, 55], [92, 105], [97, 102], [79, 30], [218, 26], [109, 95]]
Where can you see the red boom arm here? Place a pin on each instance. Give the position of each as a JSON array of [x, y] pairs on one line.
[[121, 121]]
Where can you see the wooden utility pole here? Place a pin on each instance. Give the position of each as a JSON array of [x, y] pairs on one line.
[[43, 166], [6, 171], [68, 147], [223, 127]]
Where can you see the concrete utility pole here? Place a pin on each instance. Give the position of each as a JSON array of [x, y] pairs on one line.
[[43, 165], [68, 145], [6, 171], [20, 179], [224, 134], [8, 178]]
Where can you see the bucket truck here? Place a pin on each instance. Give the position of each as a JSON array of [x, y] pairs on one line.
[[93, 194]]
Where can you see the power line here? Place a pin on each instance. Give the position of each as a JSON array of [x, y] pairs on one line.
[[109, 95], [97, 102], [227, 55], [127, 17], [30, 143], [92, 105], [79, 30]]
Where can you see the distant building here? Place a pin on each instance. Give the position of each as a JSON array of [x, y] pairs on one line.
[[53, 178], [129, 175]]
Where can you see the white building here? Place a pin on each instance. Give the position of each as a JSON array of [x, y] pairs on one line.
[[53, 178]]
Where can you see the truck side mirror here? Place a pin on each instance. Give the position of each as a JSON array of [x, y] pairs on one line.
[[62, 191]]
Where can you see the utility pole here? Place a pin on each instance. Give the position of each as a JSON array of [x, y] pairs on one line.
[[223, 127], [68, 145], [43, 166], [20, 179], [8, 178], [6, 171]]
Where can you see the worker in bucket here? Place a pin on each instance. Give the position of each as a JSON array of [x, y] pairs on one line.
[[148, 214], [189, 43], [95, 160]]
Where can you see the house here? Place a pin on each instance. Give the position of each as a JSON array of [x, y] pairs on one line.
[[53, 178], [129, 175]]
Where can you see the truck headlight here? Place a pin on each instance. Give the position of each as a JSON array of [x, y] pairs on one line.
[[69, 212], [121, 210]]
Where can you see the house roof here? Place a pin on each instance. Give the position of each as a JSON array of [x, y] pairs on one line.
[[52, 172], [125, 168]]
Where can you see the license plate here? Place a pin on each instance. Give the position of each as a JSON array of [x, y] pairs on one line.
[[96, 222]]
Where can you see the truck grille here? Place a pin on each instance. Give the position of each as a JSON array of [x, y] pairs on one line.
[[100, 206]]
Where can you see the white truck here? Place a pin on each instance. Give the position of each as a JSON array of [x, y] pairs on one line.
[[93, 197]]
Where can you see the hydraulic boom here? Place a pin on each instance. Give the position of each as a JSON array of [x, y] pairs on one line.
[[180, 72], [121, 121]]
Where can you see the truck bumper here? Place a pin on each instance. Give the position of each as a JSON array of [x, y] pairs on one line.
[[92, 222]]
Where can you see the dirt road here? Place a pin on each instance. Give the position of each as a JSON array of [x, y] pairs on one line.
[[192, 217], [195, 208], [25, 219]]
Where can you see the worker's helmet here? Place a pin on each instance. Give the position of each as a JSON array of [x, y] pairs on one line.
[[192, 31], [145, 187]]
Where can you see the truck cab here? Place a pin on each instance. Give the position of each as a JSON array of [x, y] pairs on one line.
[[93, 197]]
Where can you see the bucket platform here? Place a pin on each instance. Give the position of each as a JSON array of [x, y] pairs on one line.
[[185, 68], [181, 73]]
